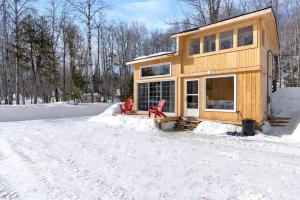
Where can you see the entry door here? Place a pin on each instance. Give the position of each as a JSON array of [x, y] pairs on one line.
[[192, 98]]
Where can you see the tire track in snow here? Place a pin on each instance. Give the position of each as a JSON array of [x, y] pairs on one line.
[[260, 146], [279, 166], [7, 191], [36, 170], [104, 189], [96, 182]]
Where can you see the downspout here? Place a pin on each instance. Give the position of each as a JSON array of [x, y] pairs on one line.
[[268, 95]]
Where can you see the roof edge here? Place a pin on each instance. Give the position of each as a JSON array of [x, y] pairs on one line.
[[151, 57], [198, 28]]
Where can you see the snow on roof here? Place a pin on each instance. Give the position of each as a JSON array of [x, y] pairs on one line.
[[154, 55]]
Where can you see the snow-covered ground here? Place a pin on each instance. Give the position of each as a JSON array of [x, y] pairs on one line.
[[121, 157], [80, 159]]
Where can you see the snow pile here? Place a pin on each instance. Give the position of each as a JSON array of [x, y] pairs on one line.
[[134, 123], [215, 128], [153, 55], [266, 127], [295, 137], [286, 103]]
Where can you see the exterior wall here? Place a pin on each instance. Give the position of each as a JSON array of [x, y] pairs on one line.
[[266, 39], [248, 99], [175, 73], [228, 59], [247, 62]]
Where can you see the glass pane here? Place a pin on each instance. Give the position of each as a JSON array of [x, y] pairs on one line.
[[157, 91], [245, 36], [220, 93], [194, 46], [154, 93], [192, 87], [209, 43], [143, 96], [168, 93], [192, 102], [158, 70], [226, 40]]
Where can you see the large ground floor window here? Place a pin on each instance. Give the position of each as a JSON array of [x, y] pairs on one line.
[[151, 92], [220, 93]]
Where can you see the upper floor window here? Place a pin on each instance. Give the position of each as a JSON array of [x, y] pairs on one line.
[[245, 36], [194, 46], [156, 70], [209, 43], [226, 40]]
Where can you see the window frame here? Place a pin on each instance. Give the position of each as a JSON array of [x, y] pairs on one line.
[[189, 46], [154, 65], [234, 96], [220, 42], [163, 80], [243, 27], [204, 43]]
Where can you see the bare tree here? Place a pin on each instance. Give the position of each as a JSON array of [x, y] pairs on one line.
[[203, 11], [88, 10], [18, 11], [5, 53]]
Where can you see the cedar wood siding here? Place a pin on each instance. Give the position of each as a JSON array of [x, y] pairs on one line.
[[247, 62]]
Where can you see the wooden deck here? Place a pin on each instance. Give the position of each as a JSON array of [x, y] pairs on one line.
[[191, 121]]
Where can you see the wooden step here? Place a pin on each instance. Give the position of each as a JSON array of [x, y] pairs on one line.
[[279, 117], [278, 121], [278, 125]]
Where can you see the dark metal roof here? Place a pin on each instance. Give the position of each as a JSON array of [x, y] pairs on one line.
[[197, 28]]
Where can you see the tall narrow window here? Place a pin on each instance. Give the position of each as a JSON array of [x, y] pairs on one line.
[[194, 46], [226, 40], [209, 43], [245, 36], [143, 97]]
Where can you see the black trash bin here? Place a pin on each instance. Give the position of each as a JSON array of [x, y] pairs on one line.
[[248, 127]]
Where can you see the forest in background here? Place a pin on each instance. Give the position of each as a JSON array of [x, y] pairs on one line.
[[72, 51]]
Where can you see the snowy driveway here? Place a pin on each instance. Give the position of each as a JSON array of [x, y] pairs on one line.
[[77, 159], [49, 111]]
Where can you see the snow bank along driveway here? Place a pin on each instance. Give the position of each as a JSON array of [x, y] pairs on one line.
[[80, 159], [49, 111]]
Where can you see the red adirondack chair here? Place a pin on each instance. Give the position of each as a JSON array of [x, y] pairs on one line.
[[157, 110], [126, 106]]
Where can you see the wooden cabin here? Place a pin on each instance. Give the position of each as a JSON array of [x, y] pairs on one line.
[[221, 71]]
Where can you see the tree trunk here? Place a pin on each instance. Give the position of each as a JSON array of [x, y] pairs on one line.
[[90, 64]]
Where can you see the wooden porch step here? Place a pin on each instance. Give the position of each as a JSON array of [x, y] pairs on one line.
[[279, 121], [186, 124], [279, 118], [278, 125]]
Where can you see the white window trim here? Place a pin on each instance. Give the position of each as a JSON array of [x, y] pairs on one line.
[[147, 66], [235, 88], [185, 85], [175, 88]]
